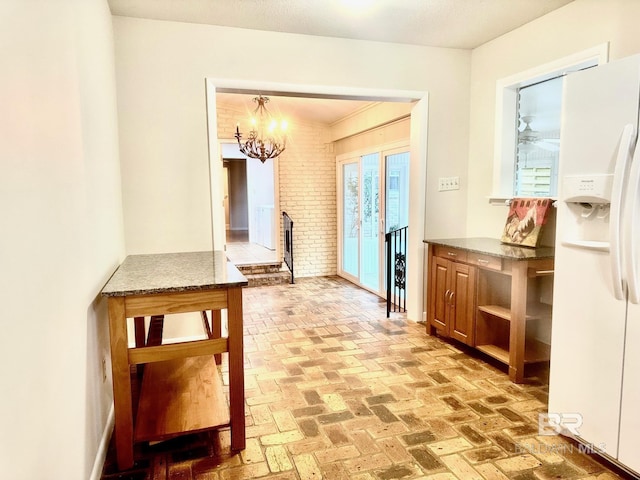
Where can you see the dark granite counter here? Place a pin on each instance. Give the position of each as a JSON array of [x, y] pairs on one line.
[[494, 247], [173, 272]]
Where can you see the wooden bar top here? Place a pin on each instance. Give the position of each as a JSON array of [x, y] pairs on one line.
[[173, 272]]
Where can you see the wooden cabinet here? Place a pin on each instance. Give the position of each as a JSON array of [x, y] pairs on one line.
[[452, 299], [492, 302]]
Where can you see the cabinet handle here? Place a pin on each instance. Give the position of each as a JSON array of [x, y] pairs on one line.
[[451, 297], [543, 272], [452, 254], [446, 296], [483, 261]]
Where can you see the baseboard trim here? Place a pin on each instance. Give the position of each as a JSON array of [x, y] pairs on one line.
[[103, 447]]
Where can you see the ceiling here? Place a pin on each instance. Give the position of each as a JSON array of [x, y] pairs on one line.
[[439, 23]]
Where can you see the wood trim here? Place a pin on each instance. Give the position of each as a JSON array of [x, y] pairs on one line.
[[175, 302]]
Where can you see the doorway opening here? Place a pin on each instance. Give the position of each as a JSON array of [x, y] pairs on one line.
[[417, 162], [249, 207]]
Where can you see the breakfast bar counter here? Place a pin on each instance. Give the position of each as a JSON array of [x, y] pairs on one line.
[[181, 391]]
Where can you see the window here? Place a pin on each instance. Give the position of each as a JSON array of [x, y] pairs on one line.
[[527, 134], [538, 139]]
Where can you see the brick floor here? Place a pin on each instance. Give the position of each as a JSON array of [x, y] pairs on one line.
[[335, 390]]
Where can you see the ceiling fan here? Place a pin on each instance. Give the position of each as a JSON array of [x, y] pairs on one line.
[[529, 136]]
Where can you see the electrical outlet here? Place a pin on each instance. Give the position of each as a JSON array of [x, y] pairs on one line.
[[104, 369], [448, 183]]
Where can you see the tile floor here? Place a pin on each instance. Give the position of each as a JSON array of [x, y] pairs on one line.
[[245, 253], [334, 390]]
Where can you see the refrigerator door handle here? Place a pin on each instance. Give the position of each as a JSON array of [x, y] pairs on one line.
[[631, 227], [617, 190]]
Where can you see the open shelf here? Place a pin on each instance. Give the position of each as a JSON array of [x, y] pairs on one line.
[[535, 311], [535, 352], [495, 351], [496, 311], [178, 396]]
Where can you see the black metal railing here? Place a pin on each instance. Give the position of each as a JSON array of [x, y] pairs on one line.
[[396, 269], [287, 225]]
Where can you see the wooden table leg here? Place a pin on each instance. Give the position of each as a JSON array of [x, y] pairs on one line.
[[138, 324], [518, 327], [236, 369], [216, 330], [121, 383]]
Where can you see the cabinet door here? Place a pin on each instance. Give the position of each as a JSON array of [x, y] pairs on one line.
[[439, 291], [462, 313]]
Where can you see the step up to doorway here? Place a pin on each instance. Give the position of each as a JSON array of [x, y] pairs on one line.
[[262, 274]]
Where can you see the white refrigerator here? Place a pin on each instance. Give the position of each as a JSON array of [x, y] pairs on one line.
[[594, 390]]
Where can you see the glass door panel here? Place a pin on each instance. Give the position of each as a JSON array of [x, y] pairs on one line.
[[397, 191], [350, 217], [397, 211], [370, 222]]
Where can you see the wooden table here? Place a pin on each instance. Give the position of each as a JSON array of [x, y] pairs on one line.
[[181, 391]]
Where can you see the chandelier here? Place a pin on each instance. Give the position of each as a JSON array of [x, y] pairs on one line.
[[266, 138]]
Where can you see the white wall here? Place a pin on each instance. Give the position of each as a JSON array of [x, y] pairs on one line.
[[62, 234], [578, 26]]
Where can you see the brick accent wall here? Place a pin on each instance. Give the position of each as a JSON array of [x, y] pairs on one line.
[[307, 188]]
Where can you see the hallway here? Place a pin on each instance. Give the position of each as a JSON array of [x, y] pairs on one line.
[[335, 390]]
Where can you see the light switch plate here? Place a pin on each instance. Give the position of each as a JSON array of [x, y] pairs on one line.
[[448, 183]]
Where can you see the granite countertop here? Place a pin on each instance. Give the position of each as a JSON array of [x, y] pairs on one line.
[[494, 247], [173, 272]]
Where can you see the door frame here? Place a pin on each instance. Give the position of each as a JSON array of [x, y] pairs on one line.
[[276, 197], [418, 161]]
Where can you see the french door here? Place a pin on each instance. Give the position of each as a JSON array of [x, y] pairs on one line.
[[372, 193]]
